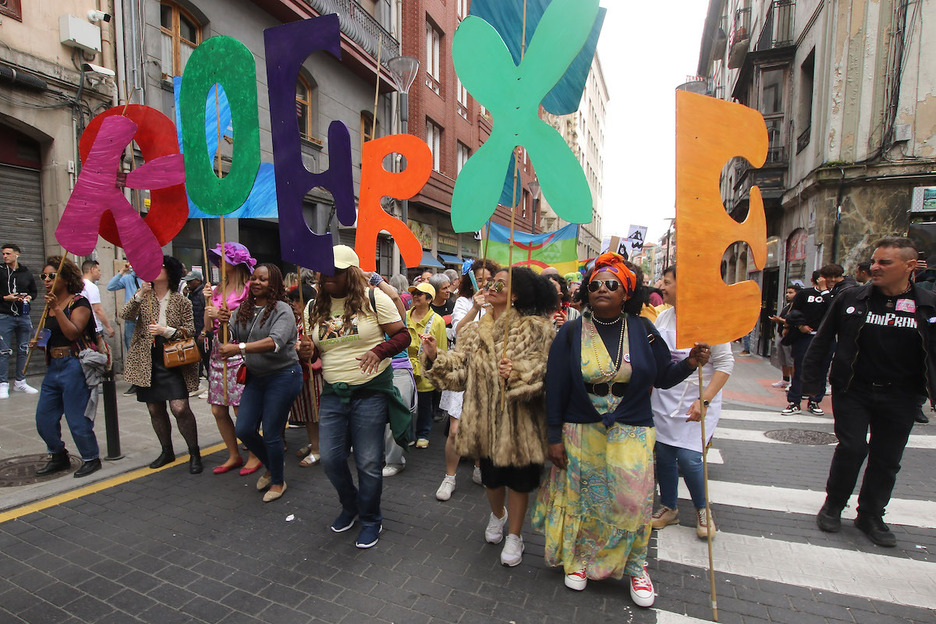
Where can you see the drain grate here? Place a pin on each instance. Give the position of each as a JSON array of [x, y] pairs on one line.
[[802, 436], [21, 470]]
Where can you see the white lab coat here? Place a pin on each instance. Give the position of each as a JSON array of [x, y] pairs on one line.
[[671, 407]]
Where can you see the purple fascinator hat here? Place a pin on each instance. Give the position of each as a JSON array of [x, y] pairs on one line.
[[235, 254]]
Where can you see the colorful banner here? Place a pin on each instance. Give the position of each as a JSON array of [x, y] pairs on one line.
[[556, 249]]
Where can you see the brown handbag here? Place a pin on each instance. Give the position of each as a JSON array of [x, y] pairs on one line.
[[180, 353]]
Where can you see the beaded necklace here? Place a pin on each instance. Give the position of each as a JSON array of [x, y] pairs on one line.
[[620, 349]]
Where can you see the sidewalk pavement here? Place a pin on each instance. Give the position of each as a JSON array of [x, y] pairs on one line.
[[138, 443]]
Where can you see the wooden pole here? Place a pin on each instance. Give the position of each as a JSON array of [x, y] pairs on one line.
[[45, 313], [305, 332], [513, 214], [224, 306], [708, 509]]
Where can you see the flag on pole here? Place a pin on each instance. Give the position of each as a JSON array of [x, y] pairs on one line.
[[556, 249]]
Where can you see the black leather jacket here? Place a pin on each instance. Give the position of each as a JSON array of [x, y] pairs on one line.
[[844, 321]]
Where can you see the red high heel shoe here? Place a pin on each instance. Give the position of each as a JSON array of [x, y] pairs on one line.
[[222, 468], [249, 471]]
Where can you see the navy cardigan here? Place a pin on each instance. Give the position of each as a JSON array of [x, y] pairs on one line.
[[566, 397]]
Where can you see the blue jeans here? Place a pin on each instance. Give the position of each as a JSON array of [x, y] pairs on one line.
[[690, 462], [65, 379], [359, 423], [266, 401], [15, 332], [424, 413], [129, 327]]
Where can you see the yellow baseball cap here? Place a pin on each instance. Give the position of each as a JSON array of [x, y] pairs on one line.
[[425, 287]]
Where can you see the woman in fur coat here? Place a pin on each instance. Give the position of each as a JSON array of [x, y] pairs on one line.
[[507, 434]]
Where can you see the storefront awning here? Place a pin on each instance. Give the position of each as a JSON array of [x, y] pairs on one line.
[[450, 259], [428, 260]]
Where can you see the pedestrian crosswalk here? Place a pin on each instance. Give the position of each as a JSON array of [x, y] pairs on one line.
[[788, 548]]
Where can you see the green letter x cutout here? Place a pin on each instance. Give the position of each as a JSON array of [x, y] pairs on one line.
[[513, 94]]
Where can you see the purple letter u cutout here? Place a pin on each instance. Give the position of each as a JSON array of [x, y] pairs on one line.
[[287, 46]]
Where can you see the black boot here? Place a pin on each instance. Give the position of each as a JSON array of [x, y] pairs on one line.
[[57, 461], [88, 467], [194, 462], [166, 457]]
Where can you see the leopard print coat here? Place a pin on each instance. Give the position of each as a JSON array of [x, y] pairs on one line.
[[138, 369]]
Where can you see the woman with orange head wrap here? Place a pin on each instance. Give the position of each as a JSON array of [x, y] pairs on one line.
[[595, 508]]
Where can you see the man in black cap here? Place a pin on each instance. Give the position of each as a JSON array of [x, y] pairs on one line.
[[884, 368]]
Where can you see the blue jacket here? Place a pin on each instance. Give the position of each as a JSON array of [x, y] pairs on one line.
[[566, 397]]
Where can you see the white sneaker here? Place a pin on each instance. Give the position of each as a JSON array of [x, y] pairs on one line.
[[22, 386], [476, 475], [641, 590], [392, 470], [783, 385], [494, 532], [512, 554], [4, 391], [577, 580], [445, 490]]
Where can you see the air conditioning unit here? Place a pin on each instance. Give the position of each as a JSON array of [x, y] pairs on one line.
[[79, 33]]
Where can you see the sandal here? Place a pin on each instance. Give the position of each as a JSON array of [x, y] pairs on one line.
[[310, 460], [303, 451]]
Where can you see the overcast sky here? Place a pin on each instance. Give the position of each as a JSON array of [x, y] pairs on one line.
[[646, 50]]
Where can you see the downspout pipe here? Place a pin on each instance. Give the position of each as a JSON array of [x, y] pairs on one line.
[[837, 226]]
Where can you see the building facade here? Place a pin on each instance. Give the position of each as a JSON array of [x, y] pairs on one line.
[[846, 91]]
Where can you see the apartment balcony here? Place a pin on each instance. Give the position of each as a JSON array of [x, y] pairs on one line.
[[778, 26]]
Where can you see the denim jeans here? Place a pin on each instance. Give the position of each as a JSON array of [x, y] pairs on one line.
[[888, 413], [359, 423], [424, 414], [129, 327], [404, 382], [690, 462], [15, 332], [266, 401], [64, 391]]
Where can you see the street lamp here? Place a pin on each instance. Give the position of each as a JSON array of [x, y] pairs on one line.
[[534, 189], [404, 70]]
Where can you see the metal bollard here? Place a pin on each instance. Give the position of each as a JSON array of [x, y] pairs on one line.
[[110, 418]]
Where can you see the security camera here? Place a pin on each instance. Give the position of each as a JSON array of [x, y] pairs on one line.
[[97, 16], [97, 69]]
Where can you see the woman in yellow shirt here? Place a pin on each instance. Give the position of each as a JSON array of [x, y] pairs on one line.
[[422, 320]]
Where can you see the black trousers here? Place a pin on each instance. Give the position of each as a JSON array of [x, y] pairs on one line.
[[889, 413]]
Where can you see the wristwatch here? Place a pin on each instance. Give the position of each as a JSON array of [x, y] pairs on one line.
[[243, 348], [705, 403]]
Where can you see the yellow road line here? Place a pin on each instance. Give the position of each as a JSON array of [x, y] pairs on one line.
[[29, 508]]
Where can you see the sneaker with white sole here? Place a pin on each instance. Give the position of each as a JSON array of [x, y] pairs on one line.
[[476, 475], [512, 554], [445, 490], [369, 536], [792, 408], [663, 517], [343, 522], [494, 531], [4, 391], [782, 384], [391, 470], [641, 590], [703, 521], [814, 409], [22, 386], [422, 443], [577, 580]]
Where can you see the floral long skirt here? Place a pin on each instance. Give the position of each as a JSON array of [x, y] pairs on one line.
[[216, 379], [595, 514]]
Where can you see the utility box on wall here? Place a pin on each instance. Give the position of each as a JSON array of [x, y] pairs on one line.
[[78, 33]]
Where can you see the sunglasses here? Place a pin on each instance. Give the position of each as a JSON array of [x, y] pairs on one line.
[[498, 286], [610, 284], [46, 276]]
